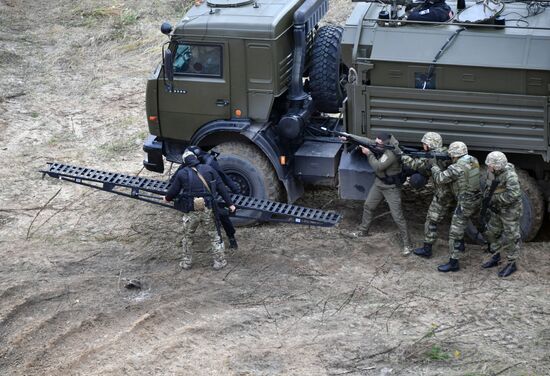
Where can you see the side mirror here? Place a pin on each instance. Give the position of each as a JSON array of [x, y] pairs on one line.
[[168, 70]]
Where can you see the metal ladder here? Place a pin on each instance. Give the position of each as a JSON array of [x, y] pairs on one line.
[[264, 210]]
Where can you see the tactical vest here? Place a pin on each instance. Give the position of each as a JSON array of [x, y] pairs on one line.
[[184, 200], [468, 184]]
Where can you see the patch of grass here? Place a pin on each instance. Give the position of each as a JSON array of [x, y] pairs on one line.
[[34, 114], [436, 353], [118, 146], [102, 12], [128, 17]]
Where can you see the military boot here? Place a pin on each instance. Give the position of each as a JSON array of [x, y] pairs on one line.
[[492, 262], [451, 266], [425, 251], [233, 243], [508, 269]]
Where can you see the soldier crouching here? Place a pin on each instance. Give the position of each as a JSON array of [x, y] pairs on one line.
[[503, 231], [195, 187]]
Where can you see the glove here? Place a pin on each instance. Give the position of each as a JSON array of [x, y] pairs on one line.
[[397, 151]]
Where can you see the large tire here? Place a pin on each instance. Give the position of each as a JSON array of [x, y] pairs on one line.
[[533, 206], [327, 74], [533, 209], [251, 170]]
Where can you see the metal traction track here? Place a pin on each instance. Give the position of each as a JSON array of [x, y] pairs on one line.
[[270, 211]]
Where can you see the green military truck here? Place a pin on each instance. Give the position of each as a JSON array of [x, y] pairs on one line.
[[258, 80]]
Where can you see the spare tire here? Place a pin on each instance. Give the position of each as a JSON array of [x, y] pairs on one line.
[[327, 74]]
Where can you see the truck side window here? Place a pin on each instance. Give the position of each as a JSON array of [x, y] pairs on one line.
[[198, 60]]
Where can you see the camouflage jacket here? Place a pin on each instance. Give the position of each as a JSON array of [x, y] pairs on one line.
[[463, 176], [423, 166], [507, 194]]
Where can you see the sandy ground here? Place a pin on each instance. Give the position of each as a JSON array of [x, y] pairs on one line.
[[293, 300]]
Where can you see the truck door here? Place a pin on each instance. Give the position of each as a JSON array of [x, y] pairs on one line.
[[201, 89]]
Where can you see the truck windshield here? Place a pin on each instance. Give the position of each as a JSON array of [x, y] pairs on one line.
[[198, 60]]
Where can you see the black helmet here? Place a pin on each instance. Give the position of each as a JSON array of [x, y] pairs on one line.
[[417, 180]]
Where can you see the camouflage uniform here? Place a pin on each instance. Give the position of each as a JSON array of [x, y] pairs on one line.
[[385, 167], [503, 231], [443, 197], [463, 176], [205, 219]]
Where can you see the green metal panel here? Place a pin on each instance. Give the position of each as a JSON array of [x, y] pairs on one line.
[[267, 21], [515, 123], [151, 105]]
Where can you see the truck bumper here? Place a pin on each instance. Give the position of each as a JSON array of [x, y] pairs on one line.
[[153, 154]]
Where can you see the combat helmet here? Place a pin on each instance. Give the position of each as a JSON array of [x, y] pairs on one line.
[[189, 158], [457, 149], [433, 140], [496, 159]]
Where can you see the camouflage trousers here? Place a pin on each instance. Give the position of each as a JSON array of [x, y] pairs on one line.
[[440, 205], [461, 216], [206, 220], [392, 194], [503, 232]]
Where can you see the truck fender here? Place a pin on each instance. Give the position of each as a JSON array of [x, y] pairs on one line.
[[260, 135]]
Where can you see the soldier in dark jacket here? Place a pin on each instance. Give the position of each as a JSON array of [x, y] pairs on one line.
[[210, 160], [505, 207], [387, 185], [431, 11], [194, 186]]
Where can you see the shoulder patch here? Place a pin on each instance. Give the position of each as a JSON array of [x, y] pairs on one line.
[[383, 158]]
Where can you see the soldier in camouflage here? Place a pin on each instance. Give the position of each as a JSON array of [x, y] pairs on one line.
[[443, 197], [194, 186], [505, 208], [463, 176]]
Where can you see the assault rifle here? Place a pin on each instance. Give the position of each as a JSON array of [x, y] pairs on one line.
[[484, 214], [425, 154], [375, 148]]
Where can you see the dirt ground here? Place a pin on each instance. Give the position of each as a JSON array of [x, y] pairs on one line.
[[293, 300]]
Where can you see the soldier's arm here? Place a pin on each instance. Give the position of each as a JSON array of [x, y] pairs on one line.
[[220, 188], [382, 164], [451, 174], [512, 192], [417, 164], [174, 189]]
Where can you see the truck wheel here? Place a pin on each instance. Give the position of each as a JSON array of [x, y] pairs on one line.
[[328, 74], [533, 210], [533, 206], [251, 170]]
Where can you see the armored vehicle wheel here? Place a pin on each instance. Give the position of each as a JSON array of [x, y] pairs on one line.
[[533, 209], [251, 170], [328, 74]]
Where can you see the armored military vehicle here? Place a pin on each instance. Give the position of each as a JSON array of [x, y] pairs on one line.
[[259, 80]]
